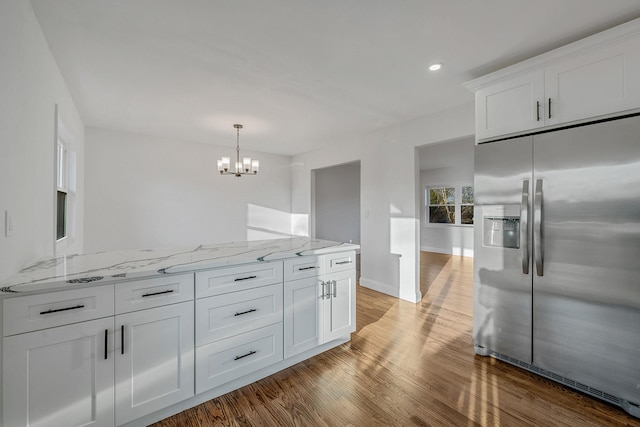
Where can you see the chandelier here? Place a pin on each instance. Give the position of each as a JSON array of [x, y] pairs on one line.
[[245, 167]]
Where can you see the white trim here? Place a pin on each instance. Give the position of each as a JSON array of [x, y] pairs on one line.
[[448, 251], [612, 35], [68, 143], [390, 290], [380, 287]]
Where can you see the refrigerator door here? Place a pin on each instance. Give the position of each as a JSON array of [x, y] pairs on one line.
[[502, 237], [586, 303]]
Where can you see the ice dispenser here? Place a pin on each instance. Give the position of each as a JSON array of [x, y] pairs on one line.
[[501, 226]]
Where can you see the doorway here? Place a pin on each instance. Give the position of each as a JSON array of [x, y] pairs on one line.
[[446, 204], [335, 204]]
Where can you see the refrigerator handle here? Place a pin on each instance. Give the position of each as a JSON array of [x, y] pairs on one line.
[[538, 243], [524, 227]]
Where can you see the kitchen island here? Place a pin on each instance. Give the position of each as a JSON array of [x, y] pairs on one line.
[[131, 337]]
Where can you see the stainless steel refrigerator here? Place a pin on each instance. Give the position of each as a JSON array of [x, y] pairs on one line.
[[557, 256]]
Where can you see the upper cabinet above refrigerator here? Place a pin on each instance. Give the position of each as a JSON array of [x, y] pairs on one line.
[[597, 77]]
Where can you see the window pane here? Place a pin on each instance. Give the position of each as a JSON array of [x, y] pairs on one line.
[[441, 196], [61, 217], [466, 212], [467, 194], [442, 214]]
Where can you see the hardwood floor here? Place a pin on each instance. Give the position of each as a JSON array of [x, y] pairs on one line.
[[407, 364]]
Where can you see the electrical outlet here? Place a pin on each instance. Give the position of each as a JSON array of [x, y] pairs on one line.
[[8, 224]]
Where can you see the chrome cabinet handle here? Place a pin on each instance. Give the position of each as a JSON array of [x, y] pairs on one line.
[[333, 282], [157, 293], [549, 107], [245, 312], [343, 262], [244, 278], [244, 355], [524, 227], [323, 284], [122, 339], [307, 268], [63, 309], [537, 111], [538, 242]]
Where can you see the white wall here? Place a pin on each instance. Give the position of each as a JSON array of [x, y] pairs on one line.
[[149, 192], [445, 238], [336, 193], [389, 196], [31, 86]]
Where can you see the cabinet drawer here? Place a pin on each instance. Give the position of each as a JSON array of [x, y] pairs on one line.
[[300, 268], [35, 312], [226, 315], [339, 262], [223, 361], [149, 293], [231, 279]]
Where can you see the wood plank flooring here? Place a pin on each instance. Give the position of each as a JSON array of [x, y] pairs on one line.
[[407, 364]]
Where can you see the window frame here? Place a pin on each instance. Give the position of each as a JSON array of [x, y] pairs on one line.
[[457, 186], [65, 163]]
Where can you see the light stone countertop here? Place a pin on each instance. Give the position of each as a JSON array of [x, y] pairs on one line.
[[107, 267]]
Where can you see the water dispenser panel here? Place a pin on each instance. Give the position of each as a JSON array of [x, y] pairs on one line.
[[501, 226]]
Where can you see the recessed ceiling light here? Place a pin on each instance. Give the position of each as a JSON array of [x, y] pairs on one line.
[[435, 67]]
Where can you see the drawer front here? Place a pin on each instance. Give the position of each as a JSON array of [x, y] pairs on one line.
[[149, 293], [301, 268], [226, 360], [42, 311], [340, 261], [232, 279], [223, 316]]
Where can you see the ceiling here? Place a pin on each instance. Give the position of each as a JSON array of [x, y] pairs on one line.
[[298, 74]]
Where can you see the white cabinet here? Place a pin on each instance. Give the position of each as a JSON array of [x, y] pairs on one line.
[[93, 357], [59, 377], [238, 322], [226, 315], [223, 361], [586, 80], [154, 360], [599, 82], [320, 308], [338, 312], [113, 354], [512, 105], [302, 315]]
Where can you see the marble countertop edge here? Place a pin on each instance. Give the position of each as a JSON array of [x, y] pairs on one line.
[[51, 273]]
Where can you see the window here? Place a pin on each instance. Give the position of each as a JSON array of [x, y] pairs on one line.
[[449, 204], [65, 189], [62, 174], [466, 205], [442, 205]]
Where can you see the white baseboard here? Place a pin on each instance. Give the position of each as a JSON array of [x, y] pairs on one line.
[[413, 297], [449, 251], [380, 287]]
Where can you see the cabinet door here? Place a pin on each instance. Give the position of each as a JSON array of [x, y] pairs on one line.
[[155, 368], [59, 376], [510, 106], [339, 310], [302, 315], [602, 81]]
